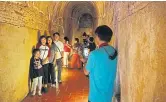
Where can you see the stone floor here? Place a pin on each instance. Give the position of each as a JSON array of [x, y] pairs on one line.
[[73, 89]]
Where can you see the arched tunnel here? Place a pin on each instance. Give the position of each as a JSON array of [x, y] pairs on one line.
[[75, 18], [138, 35]]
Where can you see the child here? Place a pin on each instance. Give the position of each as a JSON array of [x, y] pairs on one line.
[[45, 53], [36, 72]]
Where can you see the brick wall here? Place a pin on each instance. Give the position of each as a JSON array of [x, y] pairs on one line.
[[20, 25]]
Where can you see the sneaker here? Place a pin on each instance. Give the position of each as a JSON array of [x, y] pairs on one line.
[[53, 85], [39, 93], [33, 93], [60, 82]]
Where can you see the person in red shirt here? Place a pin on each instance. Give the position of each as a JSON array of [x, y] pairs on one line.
[[67, 49]]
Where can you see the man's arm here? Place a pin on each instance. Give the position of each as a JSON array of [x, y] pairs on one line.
[[84, 69], [89, 65], [68, 45], [62, 49]]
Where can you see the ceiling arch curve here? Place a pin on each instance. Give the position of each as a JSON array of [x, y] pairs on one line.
[[62, 7], [67, 14]]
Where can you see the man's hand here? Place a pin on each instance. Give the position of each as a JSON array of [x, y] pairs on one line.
[[85, 71], [83, 60]]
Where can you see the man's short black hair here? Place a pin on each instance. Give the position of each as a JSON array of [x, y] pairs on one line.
[[104, 33], [56, 33], [76, 39], [35, 51], [66, 38], [91, 39]]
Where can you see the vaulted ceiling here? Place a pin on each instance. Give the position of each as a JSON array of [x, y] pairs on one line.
[[66, 15]]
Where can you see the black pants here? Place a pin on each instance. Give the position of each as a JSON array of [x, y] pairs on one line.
[[117, 97], [45, 72], [51, 73]]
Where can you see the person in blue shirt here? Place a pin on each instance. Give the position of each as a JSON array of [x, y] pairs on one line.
[[101, 67]]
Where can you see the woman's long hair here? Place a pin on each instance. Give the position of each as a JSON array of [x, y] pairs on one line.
[[48, 38]]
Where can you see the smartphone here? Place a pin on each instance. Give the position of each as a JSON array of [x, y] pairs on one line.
[[86, 52]]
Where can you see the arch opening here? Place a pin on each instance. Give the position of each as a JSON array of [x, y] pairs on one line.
[[77, 17]]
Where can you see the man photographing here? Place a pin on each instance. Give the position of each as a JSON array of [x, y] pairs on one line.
[[101, 67]]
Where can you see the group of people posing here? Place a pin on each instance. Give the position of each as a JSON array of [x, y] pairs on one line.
[[50, 53], [100, 64]]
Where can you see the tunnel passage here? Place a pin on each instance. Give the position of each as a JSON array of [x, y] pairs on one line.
[[139, 28], [77, 17]]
